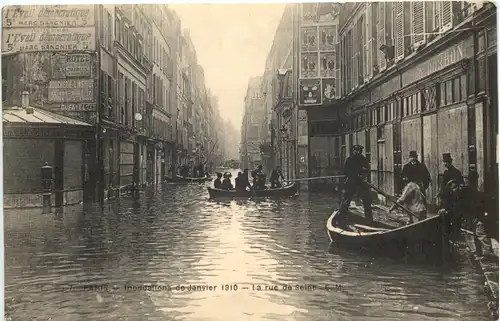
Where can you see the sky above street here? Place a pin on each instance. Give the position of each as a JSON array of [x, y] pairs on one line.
[[232, 42]]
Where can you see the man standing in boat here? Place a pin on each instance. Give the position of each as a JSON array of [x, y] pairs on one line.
[[417, 172], [274, 179], [356, 169]]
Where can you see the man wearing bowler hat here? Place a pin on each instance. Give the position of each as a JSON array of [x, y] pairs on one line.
[[451, 172], [356, 169], [417, 172]]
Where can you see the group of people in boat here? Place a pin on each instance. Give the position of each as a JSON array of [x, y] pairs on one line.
[[242, 181], [460, 200], [194, 171]]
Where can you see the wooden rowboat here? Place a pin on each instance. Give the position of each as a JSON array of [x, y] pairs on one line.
[[381, 238], [285, 191], [180, 179]]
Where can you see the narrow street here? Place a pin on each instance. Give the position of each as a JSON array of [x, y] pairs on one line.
[[91, 265]]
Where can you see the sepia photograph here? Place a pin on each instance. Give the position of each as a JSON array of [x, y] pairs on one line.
[[308, 161]]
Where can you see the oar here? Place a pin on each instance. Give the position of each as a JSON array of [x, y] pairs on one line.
[[392, 200], [211, 151], [312, 178]]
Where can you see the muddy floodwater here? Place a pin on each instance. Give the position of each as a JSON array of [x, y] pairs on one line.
[[175, 255]]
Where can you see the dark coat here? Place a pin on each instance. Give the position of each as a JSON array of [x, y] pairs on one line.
[[217, 183], [452, 173], [417, 173], [226, 183], [275, 175], [355, 165]]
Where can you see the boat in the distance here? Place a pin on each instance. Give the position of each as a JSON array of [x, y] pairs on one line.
[[284, 191], [383, 237], [180, 179]]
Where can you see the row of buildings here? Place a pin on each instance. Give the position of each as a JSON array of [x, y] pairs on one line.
[[125, 76], [391, 76]]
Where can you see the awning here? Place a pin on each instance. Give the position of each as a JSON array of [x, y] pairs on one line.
[[32, 115]]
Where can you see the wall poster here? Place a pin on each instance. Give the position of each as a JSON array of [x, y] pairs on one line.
[[327, 37], [309, 65], [327, 64], [309, 39], [328, 90], [310, 92]]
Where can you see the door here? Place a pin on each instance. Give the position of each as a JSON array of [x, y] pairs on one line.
[[59, 173]]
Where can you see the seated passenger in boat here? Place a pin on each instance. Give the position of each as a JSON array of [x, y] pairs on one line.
[[201, 172], [276, 174], [239, 183], [244, 179], [226, 183], [413, 199], [217, 182], [184, 171]]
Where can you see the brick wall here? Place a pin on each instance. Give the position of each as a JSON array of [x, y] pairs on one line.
[[22, 173]]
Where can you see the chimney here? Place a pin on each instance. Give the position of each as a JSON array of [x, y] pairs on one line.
[[25, 99]]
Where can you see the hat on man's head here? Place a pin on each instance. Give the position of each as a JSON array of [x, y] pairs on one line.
[[447, 158], [413, 154], [357, 147]]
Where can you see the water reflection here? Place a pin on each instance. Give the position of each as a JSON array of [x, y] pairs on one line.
[[177, 237]]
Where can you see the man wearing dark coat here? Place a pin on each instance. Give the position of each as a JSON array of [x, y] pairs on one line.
[[356, 169], [451, 172], [415, 171], [276, 174]]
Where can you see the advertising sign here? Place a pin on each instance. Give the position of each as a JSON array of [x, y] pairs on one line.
[[328, 90], [309, 65], [48, 16], [327, 64], [327, 37], [52, 39], [78, 65], [69, 90], [78, 107], [310, 92], [309, 39]]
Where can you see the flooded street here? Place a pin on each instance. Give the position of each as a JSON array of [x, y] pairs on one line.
[[136, 260]]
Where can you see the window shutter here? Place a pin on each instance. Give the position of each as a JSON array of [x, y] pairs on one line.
[[446, 18], [418, 23], [381, 35], [399, 31], [368, 46], [361, 46], [429, 16]]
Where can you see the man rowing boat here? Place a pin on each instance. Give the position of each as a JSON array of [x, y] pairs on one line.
[[356, 169]]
